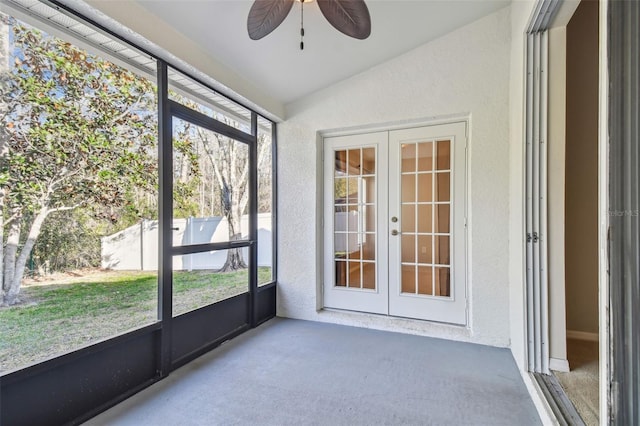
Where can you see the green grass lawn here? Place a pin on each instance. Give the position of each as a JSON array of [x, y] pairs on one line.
[[64, 316]]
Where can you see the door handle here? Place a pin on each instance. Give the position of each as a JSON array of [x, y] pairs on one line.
[[394, 232]]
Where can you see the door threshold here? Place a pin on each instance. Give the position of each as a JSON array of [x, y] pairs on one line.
[[395, 317], [415, 327], [562, 407]]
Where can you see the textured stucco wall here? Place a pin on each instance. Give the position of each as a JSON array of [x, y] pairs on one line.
[[464, 72]]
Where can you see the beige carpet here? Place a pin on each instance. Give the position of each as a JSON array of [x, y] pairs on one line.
[[581, 384]]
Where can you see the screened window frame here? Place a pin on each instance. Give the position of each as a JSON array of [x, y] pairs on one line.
[[150, 355], [175, 109]]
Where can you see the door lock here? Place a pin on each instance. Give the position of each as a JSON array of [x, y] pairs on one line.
[[394, 232], [394, 219]]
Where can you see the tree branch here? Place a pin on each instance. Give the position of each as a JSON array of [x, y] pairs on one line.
[[261, 152], [9, 220], [210, 156], [244, 200], [65, 208], [127, 111], [65, 175]]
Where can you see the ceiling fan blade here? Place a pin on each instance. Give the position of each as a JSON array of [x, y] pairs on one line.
[[266, 15], [350, 17]]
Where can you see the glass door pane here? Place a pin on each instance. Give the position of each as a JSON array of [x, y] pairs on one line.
[[210, 186], [355, 229], [425, 198], [266, 271], [354, 206]]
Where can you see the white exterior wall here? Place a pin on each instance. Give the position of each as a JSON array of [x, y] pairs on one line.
[[465, 72]]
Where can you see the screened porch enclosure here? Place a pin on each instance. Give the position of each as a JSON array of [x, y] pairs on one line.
[[132, 148]]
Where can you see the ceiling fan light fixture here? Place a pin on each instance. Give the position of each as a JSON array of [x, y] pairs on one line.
[[350, 17]]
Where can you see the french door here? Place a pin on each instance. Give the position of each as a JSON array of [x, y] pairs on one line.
[[394, 220]]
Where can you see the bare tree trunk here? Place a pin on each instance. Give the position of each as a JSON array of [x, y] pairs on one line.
[[235, 260], [2, 292], [4, 140], [230, 169], [21, 263], [10, 254], [184, 169]]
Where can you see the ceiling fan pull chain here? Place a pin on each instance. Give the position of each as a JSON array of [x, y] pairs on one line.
[[301, 25]]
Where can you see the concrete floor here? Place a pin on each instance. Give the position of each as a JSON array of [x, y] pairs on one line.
[[291, 372]]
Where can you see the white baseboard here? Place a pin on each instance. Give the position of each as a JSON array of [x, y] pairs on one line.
[[557, 364], [582, 335]]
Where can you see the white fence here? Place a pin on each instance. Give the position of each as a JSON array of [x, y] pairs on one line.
[[136, 248]]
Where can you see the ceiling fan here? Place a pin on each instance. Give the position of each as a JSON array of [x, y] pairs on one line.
[[350, 17]]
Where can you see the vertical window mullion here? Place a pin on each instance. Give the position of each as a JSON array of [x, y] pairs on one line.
[[274, 204], [165, 205], [253, 221]]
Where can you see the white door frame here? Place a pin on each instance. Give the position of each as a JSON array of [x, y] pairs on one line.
[[387, 127], [540, 22], [453, 310], [373, 301], [603, 214]]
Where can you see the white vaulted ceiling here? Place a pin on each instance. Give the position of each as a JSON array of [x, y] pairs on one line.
[[277, 66], [208, 39]]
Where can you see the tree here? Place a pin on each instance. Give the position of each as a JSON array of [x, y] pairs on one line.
[[78, 131], [211, 174], [229, 161], [4, 136], [187, 171], [68, 241]]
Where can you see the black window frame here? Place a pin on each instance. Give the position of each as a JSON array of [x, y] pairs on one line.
[[127, 363]]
